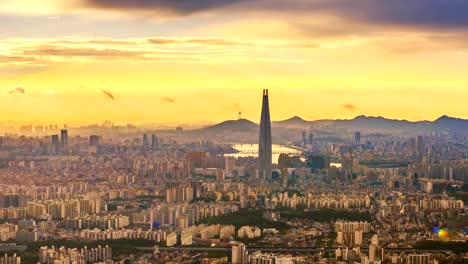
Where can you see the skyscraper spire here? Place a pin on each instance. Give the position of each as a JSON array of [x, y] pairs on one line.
[[264, 144]]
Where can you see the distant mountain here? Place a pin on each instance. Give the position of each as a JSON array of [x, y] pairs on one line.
[[372, 124], [240, 125], [293, 121], [451, 124], [368, 125], [380, 125]]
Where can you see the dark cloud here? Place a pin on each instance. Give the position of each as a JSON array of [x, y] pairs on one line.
[[17, 90], [108, 94], [349, 107], [439, 13], [169, 99], [181, 7], [445, 13], [427, 13]]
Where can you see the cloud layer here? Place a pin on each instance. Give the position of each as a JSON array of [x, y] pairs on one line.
[[441, 13]]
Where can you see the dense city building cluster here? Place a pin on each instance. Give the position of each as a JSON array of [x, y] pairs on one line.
[[144, 196]]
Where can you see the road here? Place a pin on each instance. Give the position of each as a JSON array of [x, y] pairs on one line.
[[291, 249]]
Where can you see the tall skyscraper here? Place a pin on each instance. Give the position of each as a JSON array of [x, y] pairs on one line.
[[145, 142], [64, 139], [55, 144], [264, 144], [229, 166], [94, 140], [357, 138], [311, 140], [93, 144], [304, 139], [154, 142], [420, 147]]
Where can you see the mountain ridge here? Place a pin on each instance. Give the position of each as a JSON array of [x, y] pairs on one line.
[[359, 123]]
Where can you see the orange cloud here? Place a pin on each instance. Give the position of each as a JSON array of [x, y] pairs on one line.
[[349, 107], [17, 90]]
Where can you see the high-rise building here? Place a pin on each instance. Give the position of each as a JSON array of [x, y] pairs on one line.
[[55, 144], [264, 145], [304, 139], [94, 140], [239, 254], [145, 142], [154, 142], [357, 138], [13, 200], [311, 138], [420, 147], [93, 144], [198, 159], [64, 139], [229, 166], [318, 162], [220, 176]]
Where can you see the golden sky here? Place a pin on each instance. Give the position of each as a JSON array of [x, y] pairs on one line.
[[197, 61]]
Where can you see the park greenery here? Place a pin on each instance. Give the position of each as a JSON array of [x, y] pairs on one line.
[[120, 247], [454, 246], [245, 217], [325, 215], [254, 217]]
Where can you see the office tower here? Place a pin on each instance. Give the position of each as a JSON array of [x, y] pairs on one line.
[[154, 142], [220, 176], [419, 147], [318, 162], [284, 177], [55, 144], [94, 140], [196, 189], [264, 145], [357, 138], [311, 138], [229, 166], [93, 144], [284, 161], [64, 139], [304, 139], [198, 159], [145, 142]]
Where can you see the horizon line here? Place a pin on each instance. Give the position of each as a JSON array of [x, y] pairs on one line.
[[213, 122]]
